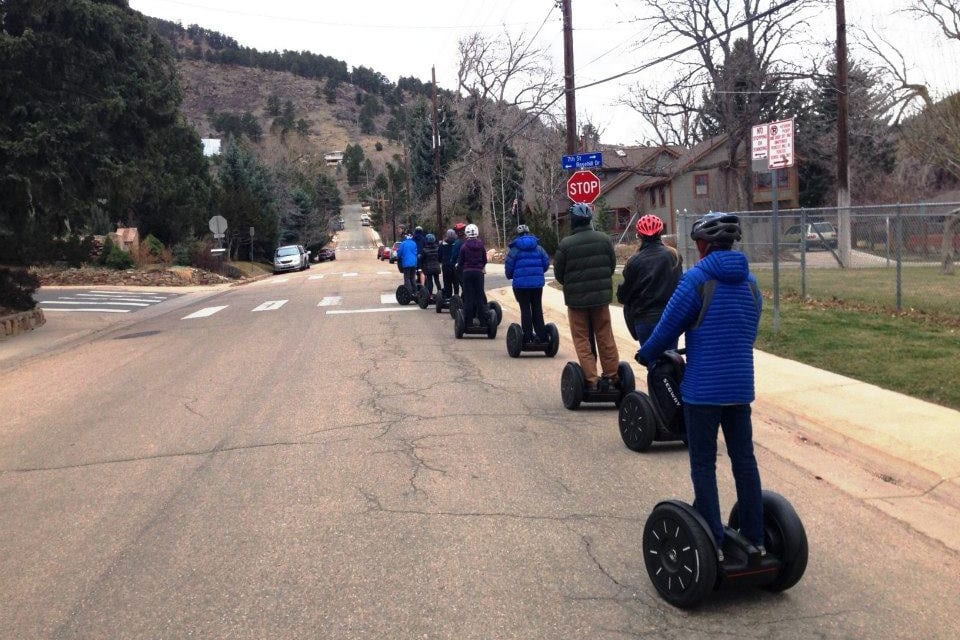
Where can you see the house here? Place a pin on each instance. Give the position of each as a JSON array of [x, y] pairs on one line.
[[211, 147], [333, 159], [665, 180]]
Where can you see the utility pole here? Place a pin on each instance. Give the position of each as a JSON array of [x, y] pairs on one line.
[[436, 148], [843, 150], [568, 77]]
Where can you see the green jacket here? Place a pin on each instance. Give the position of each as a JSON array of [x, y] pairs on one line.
[[584, 265]]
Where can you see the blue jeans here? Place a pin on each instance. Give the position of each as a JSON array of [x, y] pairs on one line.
[[702, 422], [645, 329]]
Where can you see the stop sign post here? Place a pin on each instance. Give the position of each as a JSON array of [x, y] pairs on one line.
[[583, 187]]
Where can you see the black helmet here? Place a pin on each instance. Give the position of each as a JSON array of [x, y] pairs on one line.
[[717, 228]]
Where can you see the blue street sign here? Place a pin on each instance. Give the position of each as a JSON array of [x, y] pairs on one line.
[[582, 161]]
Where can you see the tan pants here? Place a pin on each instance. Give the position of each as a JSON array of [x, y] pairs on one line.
[[580, 320]]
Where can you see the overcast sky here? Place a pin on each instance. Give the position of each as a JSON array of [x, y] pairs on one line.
[[406, 38]]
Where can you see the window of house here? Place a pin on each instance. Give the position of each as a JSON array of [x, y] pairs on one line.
[[663, 195], [701, 185], [764, 182], [653, 198]]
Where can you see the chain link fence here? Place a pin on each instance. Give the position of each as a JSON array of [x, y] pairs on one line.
[[895, 255]]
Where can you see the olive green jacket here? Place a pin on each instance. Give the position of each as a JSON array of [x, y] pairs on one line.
[[584, 265]]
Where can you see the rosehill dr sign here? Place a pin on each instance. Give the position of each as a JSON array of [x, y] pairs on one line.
[[583, 187]]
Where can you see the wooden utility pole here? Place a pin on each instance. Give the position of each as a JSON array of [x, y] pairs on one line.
[[843, 148], [568, 77], [436, 148]]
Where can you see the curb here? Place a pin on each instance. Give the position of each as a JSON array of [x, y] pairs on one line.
[[20, 322]]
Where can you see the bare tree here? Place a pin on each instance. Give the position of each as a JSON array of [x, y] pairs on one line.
[[946, 13], [708, 25], [673, 114]]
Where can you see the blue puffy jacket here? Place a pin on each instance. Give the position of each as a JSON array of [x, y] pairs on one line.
[[720, 349], [407, 254], [526, 263]]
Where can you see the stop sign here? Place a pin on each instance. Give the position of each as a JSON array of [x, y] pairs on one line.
[[583, 187]]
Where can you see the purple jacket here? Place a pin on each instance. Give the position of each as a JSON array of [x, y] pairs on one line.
[[473, 255]]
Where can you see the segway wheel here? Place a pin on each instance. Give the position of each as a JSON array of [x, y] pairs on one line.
[[459, 324], [637, 421], [423, 298], [403, 296], [783, 536], [571, 386], [455, 303], [492, 324], [498, 310], [553, 340], [628, 382], [514, 340], [440, 303], [680, 557]]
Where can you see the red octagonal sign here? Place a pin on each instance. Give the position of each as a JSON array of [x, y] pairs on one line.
[[583, 187]]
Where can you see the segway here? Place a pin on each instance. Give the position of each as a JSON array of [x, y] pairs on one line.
[[456, 302], [461, 328], [404, 296], [516, 345], [658, 416], [573, 386], [424, 298], [681, 554]]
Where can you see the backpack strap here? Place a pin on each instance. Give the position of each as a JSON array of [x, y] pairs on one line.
[[708, 288]]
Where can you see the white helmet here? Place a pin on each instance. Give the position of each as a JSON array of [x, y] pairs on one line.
[[471, 231]]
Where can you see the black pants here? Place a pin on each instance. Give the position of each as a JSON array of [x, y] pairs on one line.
[[473, 297], [410, 279], [531, 314], [431, 279], [451, 284]]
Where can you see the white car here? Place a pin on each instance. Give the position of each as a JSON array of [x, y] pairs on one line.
[[292, 257]]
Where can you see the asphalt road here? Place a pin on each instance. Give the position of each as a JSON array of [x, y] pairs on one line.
[[335, 467]]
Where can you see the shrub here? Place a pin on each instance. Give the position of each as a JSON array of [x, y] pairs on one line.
[[114, 257], [16, 289], [379, 146]]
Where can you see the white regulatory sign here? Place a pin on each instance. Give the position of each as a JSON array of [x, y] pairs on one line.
[[780, 147]]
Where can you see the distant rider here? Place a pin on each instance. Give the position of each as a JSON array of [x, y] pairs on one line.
[[649, 279], [525, 265], [448, 254], [430, 263], [407, 263], [718, 305], [584, 265], [472, 263]]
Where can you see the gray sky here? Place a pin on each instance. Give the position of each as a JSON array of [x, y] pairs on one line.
[[406, 38]]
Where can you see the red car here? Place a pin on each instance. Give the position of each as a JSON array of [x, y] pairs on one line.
[[383, 252], [393, 252]]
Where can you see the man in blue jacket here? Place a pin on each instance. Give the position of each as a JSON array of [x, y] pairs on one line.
[[717, 304], [526, 263], [407, 255]]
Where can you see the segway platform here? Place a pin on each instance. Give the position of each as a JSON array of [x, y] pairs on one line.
[[644, 418], [461, 328], [681, 556], [516, 345], [573, 389]]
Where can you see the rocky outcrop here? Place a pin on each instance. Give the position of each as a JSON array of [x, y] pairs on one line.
[[11, 325]]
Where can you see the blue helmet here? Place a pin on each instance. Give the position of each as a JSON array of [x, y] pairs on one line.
[[431, 238], [581, 210]]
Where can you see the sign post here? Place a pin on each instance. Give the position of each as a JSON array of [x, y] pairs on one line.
[[772, 150]]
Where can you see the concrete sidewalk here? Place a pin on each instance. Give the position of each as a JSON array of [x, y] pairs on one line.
[[899, 454]]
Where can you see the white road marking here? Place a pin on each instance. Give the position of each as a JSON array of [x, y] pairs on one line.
[[330, 301], [280, 281], [385, 273], [115, 304], [132, 294], [103, 299], [203, 313], [271, 305], [388, 298], [319, 277], [92, 310], [378, 310], [350, 275]]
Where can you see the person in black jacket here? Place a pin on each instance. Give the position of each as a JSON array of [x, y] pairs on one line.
[[430, 263], [649, 279], [449, 251]]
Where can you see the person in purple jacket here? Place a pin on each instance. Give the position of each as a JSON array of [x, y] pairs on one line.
[[717, 305], [472, 263]]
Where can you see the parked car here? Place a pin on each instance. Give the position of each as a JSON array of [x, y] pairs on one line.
[[817, 234], [327, 253], [291, 257], [393, 252], [383, 252]]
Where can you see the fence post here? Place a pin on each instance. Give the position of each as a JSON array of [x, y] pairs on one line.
[[899, 253], [803, 254]]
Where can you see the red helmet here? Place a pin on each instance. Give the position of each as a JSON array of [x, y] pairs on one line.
[[649, 225]]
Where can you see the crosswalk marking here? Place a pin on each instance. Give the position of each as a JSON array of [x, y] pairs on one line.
[[330, 301], [385, 273], [377, 310], [91, 310], [203, 313], [350, 275], [271, 305], [319, 277], [112, 304], [388, 298]]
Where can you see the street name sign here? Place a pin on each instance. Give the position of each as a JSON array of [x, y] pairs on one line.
[[582, 161], [583, 187]]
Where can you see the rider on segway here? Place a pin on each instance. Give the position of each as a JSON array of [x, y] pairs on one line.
[[407, 263], [717, 304], [525, 265], [430, 265], [472, 263]]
